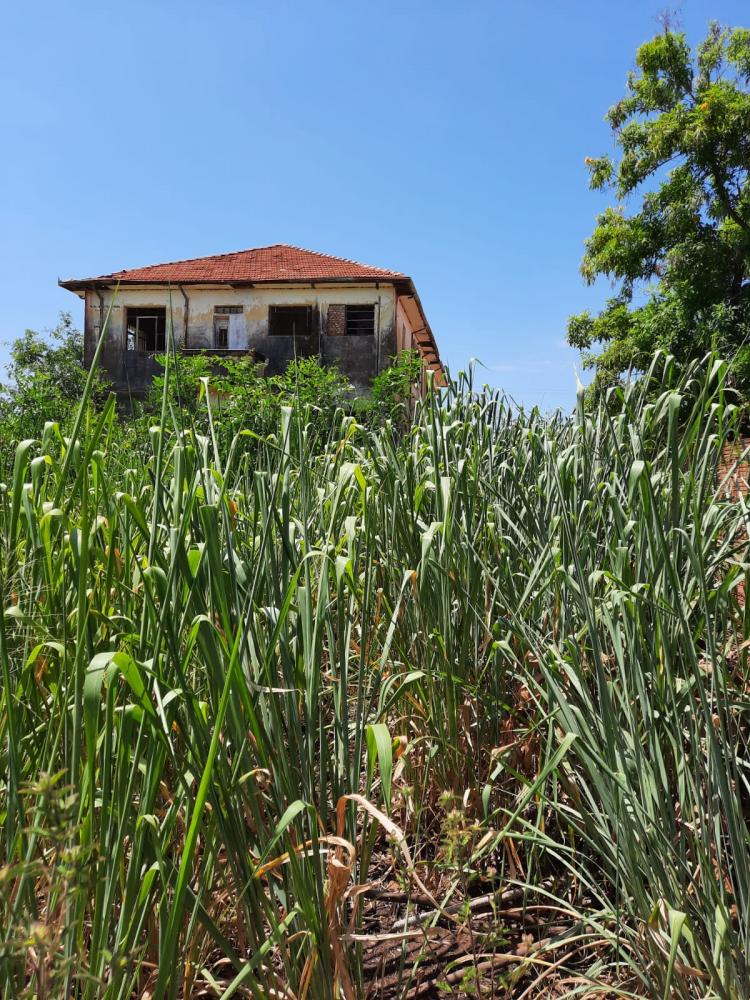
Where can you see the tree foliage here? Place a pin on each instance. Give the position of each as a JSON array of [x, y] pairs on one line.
[[243, 397], [680, 261], [393, 389], [45, 379]]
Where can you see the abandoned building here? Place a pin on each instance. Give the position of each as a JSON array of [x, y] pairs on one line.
[[276, 302]]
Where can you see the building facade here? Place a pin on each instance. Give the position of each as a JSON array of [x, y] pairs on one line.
[[276, 302]]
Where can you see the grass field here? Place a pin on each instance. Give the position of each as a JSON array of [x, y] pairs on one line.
[[460, 709]]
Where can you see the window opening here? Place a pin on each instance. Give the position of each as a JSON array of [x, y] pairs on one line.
[[360, 320], [290, 321], [146, 329]]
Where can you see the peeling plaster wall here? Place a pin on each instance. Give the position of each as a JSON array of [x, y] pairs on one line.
[[360, 358]]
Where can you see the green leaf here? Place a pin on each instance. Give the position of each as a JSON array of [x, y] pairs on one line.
[[380, 750]]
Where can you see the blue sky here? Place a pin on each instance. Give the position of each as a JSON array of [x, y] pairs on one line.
[[444, 139]]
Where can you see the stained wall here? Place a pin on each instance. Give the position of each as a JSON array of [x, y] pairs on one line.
[[359, 357]]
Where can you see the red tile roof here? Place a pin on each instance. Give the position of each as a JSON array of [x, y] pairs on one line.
[[263, 264]]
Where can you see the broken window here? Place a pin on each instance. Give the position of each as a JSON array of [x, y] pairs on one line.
[[290, 321], [226, 320], [360, 320], [146, 329]]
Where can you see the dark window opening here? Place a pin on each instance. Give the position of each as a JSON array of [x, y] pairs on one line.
[[290, 321], [360, 320], [146, 329], [221, 332]]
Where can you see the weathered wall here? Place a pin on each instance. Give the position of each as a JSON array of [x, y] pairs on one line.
[[359, 357], [127, 370], [404, 341]]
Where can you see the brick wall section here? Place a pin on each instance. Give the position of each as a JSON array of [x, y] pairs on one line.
[[738, 482], [336, 320]]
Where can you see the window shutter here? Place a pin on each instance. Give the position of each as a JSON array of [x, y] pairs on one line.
[[336, 321]]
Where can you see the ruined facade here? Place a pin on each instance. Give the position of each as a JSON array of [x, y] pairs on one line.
[[277, 302]]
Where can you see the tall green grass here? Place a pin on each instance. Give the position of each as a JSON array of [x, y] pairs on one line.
[[500, 648]]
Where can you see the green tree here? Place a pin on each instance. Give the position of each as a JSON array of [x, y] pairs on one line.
[[680, 260], [44, 382], [394, 390], [242, 397], [308, 381]]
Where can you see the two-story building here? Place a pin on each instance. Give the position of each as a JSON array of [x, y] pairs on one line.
[[278, 302]]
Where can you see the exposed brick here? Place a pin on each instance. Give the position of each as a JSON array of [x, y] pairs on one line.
[[336, 321], [737, 483]]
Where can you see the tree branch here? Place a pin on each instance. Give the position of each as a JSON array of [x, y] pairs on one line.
[[724, 198]]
